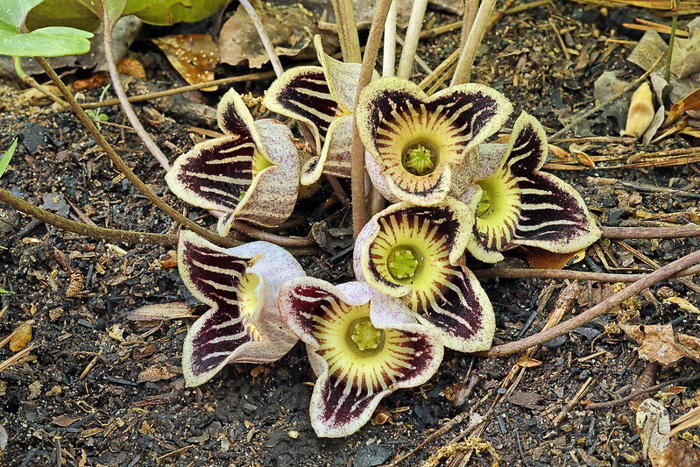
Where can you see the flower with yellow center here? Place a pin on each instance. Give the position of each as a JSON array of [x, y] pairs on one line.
[[517, 204], [414, 141], [413, 253], [362, 345], [252, 174], [241, 286]]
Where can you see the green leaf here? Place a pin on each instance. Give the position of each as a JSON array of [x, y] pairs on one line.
[[167, 12], [45, 42], [68, 13], [12, 11], [5, 159], [3, 290]]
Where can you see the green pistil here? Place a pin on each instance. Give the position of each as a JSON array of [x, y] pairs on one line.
[[484, 203], [420, 160], [402, 263], [365, 335]]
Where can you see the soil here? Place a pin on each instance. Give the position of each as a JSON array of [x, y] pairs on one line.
[[98, 389]]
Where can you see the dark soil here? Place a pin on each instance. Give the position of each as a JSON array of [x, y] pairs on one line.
[[98, 389]]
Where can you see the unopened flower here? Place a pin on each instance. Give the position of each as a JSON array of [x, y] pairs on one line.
[[252, 174], [241, 287], [323, 98], [516, 204], [362, 345], [416, 140], [413, 253]]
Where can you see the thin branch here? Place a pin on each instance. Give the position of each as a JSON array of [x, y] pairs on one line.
[[359, 213], [522, 273], [622, 233], [635, 394], [125, 169], [476, 35], [126, 106], [281, 240], [267, 43], [112, 235], [415, 24], [592, 313]]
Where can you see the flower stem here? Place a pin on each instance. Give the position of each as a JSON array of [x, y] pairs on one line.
[[347, 31], [359, 208], [589, 315], [112, 235], [389, 55], [267, 43], [476, 35], [124, 101], [124, 168], [408, 53]]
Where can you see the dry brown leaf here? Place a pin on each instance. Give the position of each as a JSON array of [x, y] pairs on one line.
[[527, 362], [194, 56], [543, 259], [162, 311], [658, 343], [156, 373], [641, 111], [97, 80], [64, 420], [21, 337], [382, 416], [258, 370], [168, 260], [683, 304], [689, 102], [131, 67]]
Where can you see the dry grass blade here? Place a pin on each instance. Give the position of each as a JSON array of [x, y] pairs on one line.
[[687, 7], [688, 420], [13, 359]]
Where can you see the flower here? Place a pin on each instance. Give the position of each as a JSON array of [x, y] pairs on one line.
[[362, 346], [241, 287], [415, 140], [252, 174], [515, 203], [322, 98], [413, 253]]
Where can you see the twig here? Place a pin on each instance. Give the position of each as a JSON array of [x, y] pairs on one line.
[[622, 233], [112, 235], [521, 273], [298, 242], [182, 89], [267, 43], [635, 394], [415, 24], [121, 95], [637, 287], [359, 213], [125, 169], [13, 359]]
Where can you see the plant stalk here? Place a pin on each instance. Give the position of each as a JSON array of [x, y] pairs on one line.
[[347, 31], [267, 43], [125, 169], [389, 55], [359, 212], [523, 273], [408, 53], [476, 35]]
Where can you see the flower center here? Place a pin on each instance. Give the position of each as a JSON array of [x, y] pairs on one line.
[[365, 337], [492, 198], [402, 262], [484, 204], [419, 159], [249, 302]]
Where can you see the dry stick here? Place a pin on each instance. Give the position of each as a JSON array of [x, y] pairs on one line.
[[634, 395], [415, 24], [125, 169], [359, 213], [112, 235], [269, 48], [623, 233], [121, 95], [522, 273], [476, 35], [280, 240], [182, 89], [624, 91], [637, 287], [347, 31]]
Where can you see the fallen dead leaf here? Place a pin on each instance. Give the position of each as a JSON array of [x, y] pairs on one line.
[[156, 373], [21, 337], [543, 259], [64, 420], [658, 343], [162, 311], [683, 304], [131, 67], [194, 56]]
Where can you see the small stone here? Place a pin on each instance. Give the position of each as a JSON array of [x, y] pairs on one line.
[[372, 455]]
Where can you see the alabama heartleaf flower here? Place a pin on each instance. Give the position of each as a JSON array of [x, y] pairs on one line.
[[252, 174], [416, 140], [413, 253], [323, 98], [516, 204], [362, 345], [241, 287]]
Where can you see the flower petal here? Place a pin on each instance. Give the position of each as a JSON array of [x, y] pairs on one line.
[[527, 207], [336, 154], [243, 323], [342, 77], [302, 93], [394, 116], [351, 382]]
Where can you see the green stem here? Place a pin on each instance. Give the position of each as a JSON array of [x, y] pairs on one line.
[[675, 5], [359, 212], [112, 235], [347, 31], [125, 169], [34, 84]]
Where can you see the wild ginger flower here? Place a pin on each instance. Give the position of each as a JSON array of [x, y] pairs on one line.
[[416, 140], [323, 98], [252, 174], [362, 345], [241, 287], [413, 253], [516, 204]]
